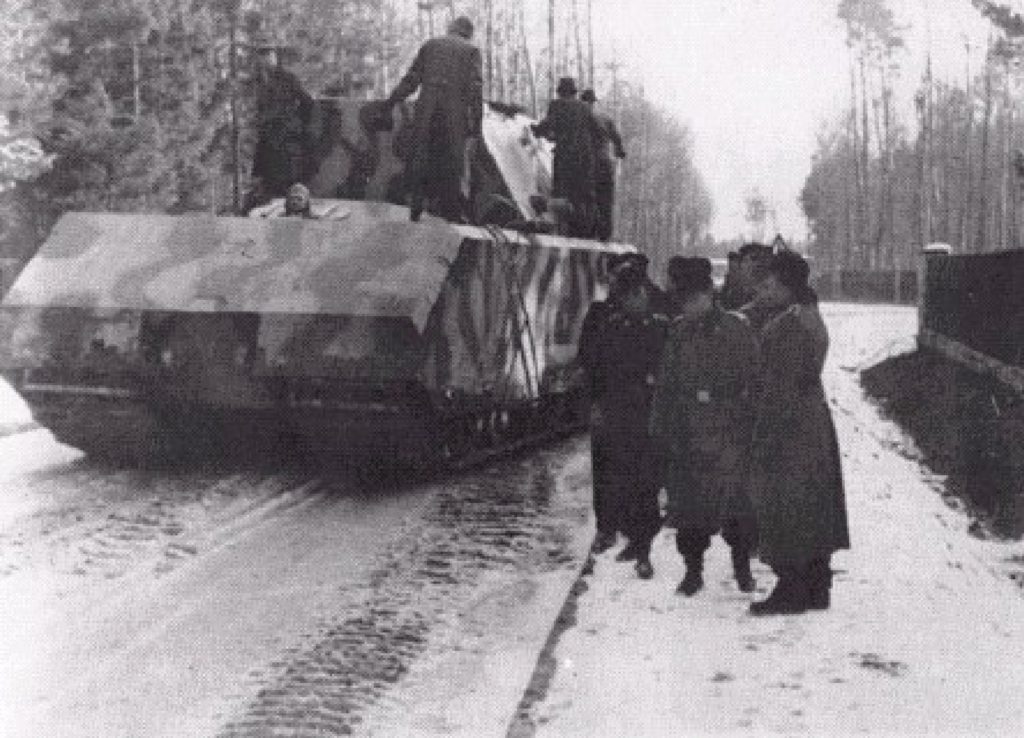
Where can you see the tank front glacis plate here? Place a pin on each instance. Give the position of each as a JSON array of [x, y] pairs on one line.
[[366, 262]]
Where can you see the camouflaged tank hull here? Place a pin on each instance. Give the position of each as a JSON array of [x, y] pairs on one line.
[[357, 332]]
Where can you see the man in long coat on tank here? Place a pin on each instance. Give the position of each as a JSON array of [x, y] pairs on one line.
[[448, 72], [571, 125], [620, 352], [283, 113], [701, 419], [607, 148], [796, 478]]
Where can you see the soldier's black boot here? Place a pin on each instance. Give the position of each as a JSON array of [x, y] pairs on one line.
[[741, 570], [602, 541], [644, 570], [790, 596], [693, 582], [631, 552], [415, 209], [819, 578]]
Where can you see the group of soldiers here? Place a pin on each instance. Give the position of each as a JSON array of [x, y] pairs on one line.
[[724, 410], [447, 72]]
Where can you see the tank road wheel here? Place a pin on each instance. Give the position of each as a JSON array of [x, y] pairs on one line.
[[456, 442], [481, 431], [499, 426]]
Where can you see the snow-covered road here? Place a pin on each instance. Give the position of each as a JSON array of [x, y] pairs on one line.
[[237, 603]]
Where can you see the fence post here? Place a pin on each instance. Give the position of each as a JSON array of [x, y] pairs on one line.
[[928, 253]]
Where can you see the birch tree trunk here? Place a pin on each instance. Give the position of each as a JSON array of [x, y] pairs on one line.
[[967, 215], [982, 242]]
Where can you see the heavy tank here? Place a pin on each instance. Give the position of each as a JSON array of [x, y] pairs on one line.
[[354, 334]]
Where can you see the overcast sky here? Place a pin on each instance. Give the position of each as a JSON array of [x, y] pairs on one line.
[[755, 79]]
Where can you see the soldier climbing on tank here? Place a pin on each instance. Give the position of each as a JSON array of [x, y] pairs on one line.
[[607, 148], [572, 126], [283, 113], [448, 71]]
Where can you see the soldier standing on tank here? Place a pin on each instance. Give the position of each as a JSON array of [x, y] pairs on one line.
[[607, 148], [448, 71], [283, 113], [620, 351], [572, 126], [701, 419]]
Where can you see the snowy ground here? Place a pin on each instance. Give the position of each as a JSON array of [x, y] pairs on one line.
[[924, 635], [238, 603], [200, 602]]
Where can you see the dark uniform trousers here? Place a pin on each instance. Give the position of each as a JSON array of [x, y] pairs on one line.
[[620, 354], [625, 489], [739, 532], [604, 188]]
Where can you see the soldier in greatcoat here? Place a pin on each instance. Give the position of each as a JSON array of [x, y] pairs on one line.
[[283, 113], [731, 296], [751, 269], [620, 352], [448, 72], [701, 419], [796, 478], [572, 126], [607, 148]]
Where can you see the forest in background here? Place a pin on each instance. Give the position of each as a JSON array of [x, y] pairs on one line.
[[881, 186], [144, 105]]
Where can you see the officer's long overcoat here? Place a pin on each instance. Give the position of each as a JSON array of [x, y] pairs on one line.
[[448, 72], [283, 146], [796, 482], [702, 417], [570, 123], [621, 358]]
